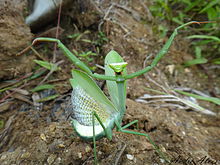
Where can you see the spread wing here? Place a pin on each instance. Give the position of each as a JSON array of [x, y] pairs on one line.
[[86, 98]]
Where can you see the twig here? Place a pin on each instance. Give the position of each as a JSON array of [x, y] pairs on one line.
[[157, 84], [123, 26], [51, 71], [108, 11], [10, 94], [15, 82], [120, 154], [99, 66], [172, 98], [7, 130], [57, 32], [149, 15], [105, 17], [214, 67], [124, 8], [171, 105], [37, 54], [158, 100], [146, 96]]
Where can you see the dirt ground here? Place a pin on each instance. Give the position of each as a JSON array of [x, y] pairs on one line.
[[40, 133]]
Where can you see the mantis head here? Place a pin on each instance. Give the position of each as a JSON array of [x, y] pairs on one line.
[[118, 67]]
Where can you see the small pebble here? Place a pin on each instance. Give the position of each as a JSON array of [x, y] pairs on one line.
[[88, 149], [61, 146], [184, 133], [130, 157], [162, 160], [26, 155], [52, 127], [170, 68], [43, 137], [3, 157], [51, 159], [80, 155], [187, 70]]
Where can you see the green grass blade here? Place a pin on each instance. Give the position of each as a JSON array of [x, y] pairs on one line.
[[198, 52], [211, 4], [156, 91], [195, 61], [52, 97], [210, 99], [42, 87], [214, 38], [216, 61], [47, 65], [191, 5]]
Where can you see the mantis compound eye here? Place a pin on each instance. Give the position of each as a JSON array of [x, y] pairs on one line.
[[118, 67]]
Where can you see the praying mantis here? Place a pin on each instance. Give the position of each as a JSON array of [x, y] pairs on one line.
[[94, 115]]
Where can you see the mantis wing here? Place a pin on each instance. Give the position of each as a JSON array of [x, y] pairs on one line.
[[114, 57], [90, 87], [86, 99]]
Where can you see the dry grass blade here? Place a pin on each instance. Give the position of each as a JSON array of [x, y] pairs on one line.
[[171, 98]]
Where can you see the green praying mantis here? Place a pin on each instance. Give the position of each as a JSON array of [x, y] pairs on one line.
[[93, 114]]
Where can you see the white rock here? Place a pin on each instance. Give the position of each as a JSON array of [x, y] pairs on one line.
[[130, 157]]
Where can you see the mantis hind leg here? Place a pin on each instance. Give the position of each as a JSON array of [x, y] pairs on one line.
[[122, 129]]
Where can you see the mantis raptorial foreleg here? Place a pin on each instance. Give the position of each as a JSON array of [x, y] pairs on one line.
[[86, 69], [74, 59]]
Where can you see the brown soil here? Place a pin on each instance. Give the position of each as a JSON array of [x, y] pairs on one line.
[[14, 37], [45, 136]]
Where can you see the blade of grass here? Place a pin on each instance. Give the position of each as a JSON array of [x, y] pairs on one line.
[[47, 65], [210, 99], [214, 38], [52, 97], [212, 3], [195, 61], [34, 76], [42, 87]]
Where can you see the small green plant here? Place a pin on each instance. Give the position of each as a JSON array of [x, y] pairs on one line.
[[202, 42], [47, 65], [179, 11], [78, 36], [96, 44], [198, 60], [85, 55], [93, 114]]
